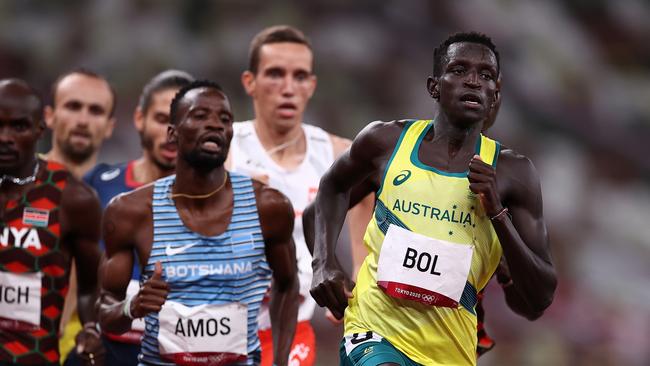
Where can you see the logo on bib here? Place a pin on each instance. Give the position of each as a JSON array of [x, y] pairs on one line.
[[402, 177]]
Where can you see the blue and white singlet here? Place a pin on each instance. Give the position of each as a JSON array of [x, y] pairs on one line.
[[227, 268]]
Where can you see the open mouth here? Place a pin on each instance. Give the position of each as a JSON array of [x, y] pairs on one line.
[[470, 99], [211, 143], [287, 109], [80, 137], [8, 154], [168, 150]]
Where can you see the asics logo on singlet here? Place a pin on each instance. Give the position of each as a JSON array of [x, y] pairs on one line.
[[402, 177], [111, 174], [169, 251]]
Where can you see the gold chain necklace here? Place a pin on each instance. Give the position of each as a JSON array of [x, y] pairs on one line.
[[200, 196]]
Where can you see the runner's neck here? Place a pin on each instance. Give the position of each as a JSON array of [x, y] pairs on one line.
[[286, 148], [146, 171]]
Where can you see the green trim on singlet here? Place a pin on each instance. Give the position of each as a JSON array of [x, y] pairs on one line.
[[374, 353], [399, 143], [497, 150], [415, 159]]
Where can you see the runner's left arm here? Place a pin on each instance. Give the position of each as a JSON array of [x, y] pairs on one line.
[[522, 234], [81, 219], [514, 298], [277, 218]]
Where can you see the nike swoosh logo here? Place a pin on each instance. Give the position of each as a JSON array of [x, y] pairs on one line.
[[111, 174], [169, 251]]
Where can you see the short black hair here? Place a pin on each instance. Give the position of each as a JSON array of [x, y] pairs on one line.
[[29, 91], [167, 79], [273, 34], [89, 73], [197, 84], [440, 52]]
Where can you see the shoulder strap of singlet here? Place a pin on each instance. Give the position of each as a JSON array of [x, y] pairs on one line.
[[489, 150], [405, 142]]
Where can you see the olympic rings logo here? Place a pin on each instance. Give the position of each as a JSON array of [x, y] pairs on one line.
[[428, 298]]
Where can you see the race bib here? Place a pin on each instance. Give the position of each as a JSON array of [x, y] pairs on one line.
[[20, 300], [134, 335], [415, 267], [203, 335]]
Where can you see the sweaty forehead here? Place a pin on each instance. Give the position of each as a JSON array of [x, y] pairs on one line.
[[285, 54], [18, 103], [470, 51], [85, 88], [206, 98]]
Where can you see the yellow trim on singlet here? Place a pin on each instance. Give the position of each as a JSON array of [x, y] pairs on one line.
[[440, 205]]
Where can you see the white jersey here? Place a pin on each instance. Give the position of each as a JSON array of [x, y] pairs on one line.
[[300, 185]]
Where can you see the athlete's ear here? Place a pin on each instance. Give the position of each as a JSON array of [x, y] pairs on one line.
[[172, 135], [138, 119], [108, 132], [312, 85], [497, 94], [40, 126], [433, 87], [48, 114], [248, 81]]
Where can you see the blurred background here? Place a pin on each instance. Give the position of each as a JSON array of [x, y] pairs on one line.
[[576, 100]]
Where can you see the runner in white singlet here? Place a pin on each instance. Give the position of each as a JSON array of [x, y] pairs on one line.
[[279, 149]]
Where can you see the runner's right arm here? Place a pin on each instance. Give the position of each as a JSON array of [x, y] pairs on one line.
[[127, 224], [367, 155]]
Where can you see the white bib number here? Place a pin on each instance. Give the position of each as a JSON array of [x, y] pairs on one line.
[[20, 300], [415, 267], [204, 334]]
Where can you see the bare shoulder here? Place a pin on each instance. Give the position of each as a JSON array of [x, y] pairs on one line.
[[377, 139], [77, 195], [275, 212], [133, 205], [382, 129], [271, 203], [80, 209], [127, 220], [517, 172]]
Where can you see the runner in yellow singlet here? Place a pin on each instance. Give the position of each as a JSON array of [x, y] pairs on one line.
[[444, 216]]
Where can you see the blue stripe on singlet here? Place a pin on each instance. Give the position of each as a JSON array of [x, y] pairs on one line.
[[227, 268]]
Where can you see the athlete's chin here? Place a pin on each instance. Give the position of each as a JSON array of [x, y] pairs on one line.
[[165, 164], [470, 117], [287, 121], [8, 165], [202, 160]]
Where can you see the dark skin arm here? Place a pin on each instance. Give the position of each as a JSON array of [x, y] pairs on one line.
[[358, 193], [524, 238], [277, 219], [81, 227], [513, 298], [365, 160], [127, 227]]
